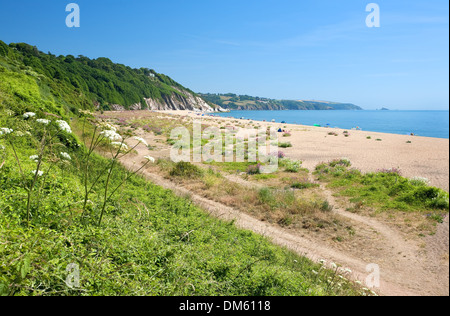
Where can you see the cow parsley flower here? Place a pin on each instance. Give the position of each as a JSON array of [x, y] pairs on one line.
[[5, 131], [43, 121], [151, 159], [141, 140], [28, 115], [108, 127], [119, 145], [65, 156], [39, 173], [111, 135], [64, 126], [35, 158]]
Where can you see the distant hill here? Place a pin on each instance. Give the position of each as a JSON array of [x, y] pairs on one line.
[[232, 101], [81, 82]]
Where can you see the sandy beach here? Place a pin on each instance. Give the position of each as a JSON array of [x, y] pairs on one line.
[[423, 157]]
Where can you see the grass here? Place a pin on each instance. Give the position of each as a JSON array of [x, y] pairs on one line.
[[384, 190], [285, 145]]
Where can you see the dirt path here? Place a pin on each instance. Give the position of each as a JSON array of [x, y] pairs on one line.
[[406, 263], [403, 264]]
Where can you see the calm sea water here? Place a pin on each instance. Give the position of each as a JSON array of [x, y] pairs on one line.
[[421, 123]]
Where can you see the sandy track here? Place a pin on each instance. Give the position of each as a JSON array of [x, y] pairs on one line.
[[408, 266], [402, 275]]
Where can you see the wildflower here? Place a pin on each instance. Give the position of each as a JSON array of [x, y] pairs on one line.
[[119, 145], [2, 147], [28, 115], [64, 126], [107, 127], [111, 135], [334, 265], [420, 180], [151, 159], [141, 140], [39, 173], [65, 156], [35, 158], [43, 121], [5, 131], [347, 270], [322, 262], [86, 112], [315, 272]]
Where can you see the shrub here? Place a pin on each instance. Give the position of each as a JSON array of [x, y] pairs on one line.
[[289, 165], [344, 162], [303, 184], [285, 145], [186, 170], [254, 169]]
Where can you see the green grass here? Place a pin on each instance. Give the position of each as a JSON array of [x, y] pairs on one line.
[[285, 145], [384, 190]]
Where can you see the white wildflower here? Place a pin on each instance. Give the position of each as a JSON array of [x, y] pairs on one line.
[[43, 121], [347, 270], [141, 140], [334, 265], [151, 159], [107, 127], [119, 145], [5, 131], [39, 173], [64, 126], [28, 115], [2, 147], [65, 156], [111, 135], [322, 262], [420, 180], [35, 158], [315, 272]]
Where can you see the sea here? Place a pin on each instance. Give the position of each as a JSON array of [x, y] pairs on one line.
[[421, 123]]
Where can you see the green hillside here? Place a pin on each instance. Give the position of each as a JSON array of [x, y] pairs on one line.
[[80, 82], [232, 101]]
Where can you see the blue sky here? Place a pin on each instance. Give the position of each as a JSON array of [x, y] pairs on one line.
[[283, 49]]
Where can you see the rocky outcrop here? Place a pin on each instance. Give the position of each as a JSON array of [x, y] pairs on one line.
[[184, 100]]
